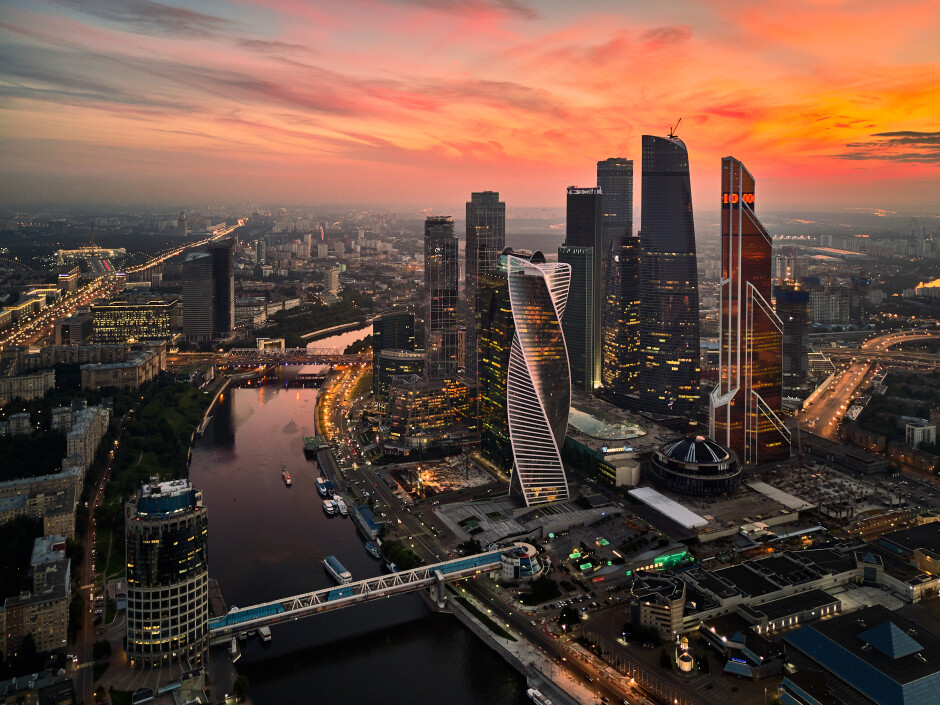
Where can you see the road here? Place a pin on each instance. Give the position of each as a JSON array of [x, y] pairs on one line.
[[825, 415], [84, 684]]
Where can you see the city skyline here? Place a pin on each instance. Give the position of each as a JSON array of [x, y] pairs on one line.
[[233, 101]]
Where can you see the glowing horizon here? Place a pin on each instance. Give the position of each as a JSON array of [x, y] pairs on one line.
[[830, 103]]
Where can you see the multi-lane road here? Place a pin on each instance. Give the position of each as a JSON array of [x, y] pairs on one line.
[[827, 409]]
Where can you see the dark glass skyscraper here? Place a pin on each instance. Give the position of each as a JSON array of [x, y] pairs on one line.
[[441, 277], [496, 332], [209, 293], [486, 238], [620, 361], [792, 306], [745, 407], [669, 325], [390, 331], [582, 251]]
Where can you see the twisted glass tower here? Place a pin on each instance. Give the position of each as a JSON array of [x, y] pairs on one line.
[[669, 327], [538, 386], [745, 407]]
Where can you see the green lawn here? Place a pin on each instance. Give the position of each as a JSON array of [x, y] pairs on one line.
[[483, 618]]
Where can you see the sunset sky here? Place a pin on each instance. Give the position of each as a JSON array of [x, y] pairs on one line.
[[828, 103]]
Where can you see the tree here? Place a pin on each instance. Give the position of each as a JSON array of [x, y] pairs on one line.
[[240, 688], [101, 650], [568, 618], [664, 660], [704, 665]]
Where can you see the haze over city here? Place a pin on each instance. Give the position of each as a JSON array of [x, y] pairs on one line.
[[421, 101]]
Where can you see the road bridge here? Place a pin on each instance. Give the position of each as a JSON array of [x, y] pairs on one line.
[[221, 629], [270, 356]]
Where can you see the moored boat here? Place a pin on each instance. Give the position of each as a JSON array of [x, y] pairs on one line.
[[321, 487], [330, 508], [336, 570], [265, 634], [538, 698], [341, 505], [373, 550]]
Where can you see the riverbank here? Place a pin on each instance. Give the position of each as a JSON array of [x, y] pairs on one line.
[[335, 330]]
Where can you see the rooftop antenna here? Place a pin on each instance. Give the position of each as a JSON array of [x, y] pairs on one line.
[[672, 130]]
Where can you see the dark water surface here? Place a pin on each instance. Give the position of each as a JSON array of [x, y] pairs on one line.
[[268, 541]]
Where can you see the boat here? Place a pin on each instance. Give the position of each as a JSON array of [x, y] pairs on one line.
[[243, 636], [265, 634], [330, 508], [321, 487], [341, 505], [373, 550], [286, 476], [390, 566], [336, 570], [537, 697], [330, 490]]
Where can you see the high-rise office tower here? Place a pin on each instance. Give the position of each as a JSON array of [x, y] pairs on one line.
[[792, 306], [495, 342], [744, 409], [209, 293], [538, 385], [166, 531], [582, 251], [440, 295], [669, 325], [486, 238], [620, 358], [391, 331]]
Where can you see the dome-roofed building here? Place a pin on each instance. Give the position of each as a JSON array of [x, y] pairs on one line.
[[696, 465]]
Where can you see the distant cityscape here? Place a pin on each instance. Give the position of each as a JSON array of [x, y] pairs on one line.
[[643, 465]]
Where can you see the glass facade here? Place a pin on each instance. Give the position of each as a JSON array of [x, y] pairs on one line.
[[620, 361], [669, 323], [486, 239], [538, 383], [440, 293], [124, 321], [209, 293], [583, 250], [792, 307], [166, 528], [391, 331], [745, 407], [389, 364], [496, 334], [695, 466]]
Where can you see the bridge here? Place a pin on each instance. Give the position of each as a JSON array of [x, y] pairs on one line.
[[221, 629], [269, 356]]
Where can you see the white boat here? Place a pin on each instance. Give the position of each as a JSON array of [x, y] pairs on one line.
[[336, 570], [321, 487], [341, 505], [265, 634], [330, 508]]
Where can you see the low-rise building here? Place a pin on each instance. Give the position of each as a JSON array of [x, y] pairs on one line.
[[129, 321], [74, 330], [137, 369], [918, 432]]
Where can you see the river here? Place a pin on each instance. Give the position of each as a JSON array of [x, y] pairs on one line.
[[268, 541]]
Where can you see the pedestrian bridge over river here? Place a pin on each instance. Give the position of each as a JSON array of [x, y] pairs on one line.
[[221, 629]]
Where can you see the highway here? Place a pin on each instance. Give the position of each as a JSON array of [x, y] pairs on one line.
[[825, 414]]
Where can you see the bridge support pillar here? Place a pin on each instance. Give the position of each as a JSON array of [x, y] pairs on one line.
[[437, 590]]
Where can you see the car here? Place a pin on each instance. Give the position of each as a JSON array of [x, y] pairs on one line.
[[590, 679]]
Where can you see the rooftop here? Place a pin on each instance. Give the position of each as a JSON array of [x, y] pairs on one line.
[[666, 506]]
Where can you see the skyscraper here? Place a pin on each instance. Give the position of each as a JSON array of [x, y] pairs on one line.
[[620, 358], [582, 252], [496, 334], [792, 307], [391, 331], [538, 385], [167, 575], [669, 325], [486, 238], [440, 294], [744, 409], [209, 293]]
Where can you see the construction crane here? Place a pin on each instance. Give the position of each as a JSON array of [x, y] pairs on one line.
[[672, 130]]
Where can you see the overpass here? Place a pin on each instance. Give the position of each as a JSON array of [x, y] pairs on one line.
[[221, 629]]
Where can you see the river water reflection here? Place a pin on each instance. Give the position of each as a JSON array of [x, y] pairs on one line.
[[268, 541]]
